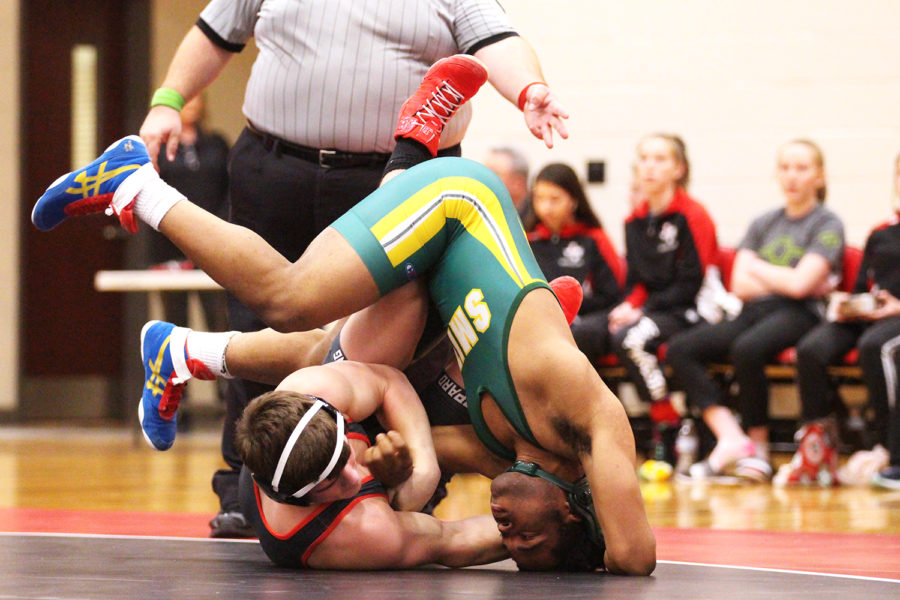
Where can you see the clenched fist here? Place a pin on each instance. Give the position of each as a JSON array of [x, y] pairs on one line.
[[389, 459]]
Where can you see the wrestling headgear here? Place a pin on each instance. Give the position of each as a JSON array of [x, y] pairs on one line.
[[297, 497], [578, 495]]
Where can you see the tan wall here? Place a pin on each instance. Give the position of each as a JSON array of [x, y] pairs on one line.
[[736, 80], [9, 209], [171, 19]]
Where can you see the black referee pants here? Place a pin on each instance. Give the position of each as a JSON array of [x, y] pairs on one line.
[[287, 201]]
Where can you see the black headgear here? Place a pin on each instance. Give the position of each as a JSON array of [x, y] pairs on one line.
[[578, 495], [297, 497]]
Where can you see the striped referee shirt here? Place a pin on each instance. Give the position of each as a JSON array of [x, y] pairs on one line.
[[334, 73]]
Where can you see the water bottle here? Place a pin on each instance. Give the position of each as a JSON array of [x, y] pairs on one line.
[[686, 446]]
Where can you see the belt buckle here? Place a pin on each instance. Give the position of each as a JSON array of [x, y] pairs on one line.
[[323, 157]]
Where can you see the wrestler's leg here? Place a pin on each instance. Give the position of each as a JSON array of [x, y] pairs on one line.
[[387, 332], [384, 333], [328, 282], [268, 356]]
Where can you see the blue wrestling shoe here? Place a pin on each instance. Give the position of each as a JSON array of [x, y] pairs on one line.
[[167, 369], [93, 188]]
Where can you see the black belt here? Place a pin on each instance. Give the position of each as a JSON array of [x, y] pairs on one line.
[[337, 159]]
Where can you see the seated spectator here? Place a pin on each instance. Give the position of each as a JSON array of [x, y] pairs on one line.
[[511, 167], [870, 322], [569, 239], [670, 239], [788, 260]]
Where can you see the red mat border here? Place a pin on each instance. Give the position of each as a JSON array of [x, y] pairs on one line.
[[856, 554]]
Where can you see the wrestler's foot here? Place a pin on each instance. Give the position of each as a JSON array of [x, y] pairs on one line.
[[109, 184], [570, 295], [167, 368], [448, 84]]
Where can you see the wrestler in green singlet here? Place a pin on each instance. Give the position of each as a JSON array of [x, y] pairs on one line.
[[456, 225]]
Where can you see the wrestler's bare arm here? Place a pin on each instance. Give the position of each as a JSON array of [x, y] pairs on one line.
[[610, 468], [360, 390], [401, 410], [577, 417], [460, 451], [597, 430], [373, 536]]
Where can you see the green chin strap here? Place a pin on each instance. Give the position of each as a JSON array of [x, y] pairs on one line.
[[578, 495]]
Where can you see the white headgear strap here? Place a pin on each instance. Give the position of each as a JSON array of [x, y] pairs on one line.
[[292, 441]]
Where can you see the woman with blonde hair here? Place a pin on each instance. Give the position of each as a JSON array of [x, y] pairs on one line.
[[868, 320], [790, 257], [670, 241]]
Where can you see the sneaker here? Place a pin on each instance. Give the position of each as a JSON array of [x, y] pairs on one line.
[[165, 375], [702, 472], [753, 469], [730, 450], [230, 524], [448, 84], [93, 188], [863, 465], [570, 295], [815, 461], [887, 478]]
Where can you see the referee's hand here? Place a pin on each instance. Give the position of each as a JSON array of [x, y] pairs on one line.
[[162, 126], [544, 113]]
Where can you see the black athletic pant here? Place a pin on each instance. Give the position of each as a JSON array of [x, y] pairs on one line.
[[636, 347], [764, 328], [878, 344]]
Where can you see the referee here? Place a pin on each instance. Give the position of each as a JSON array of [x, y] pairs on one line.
[[321, 106]]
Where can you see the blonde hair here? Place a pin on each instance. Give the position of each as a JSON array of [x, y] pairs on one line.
[[679, 153], [818, 158]]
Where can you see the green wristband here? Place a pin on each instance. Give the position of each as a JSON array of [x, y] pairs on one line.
[[167, 97]]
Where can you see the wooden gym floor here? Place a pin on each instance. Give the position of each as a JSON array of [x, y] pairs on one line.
[[94, 513]]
